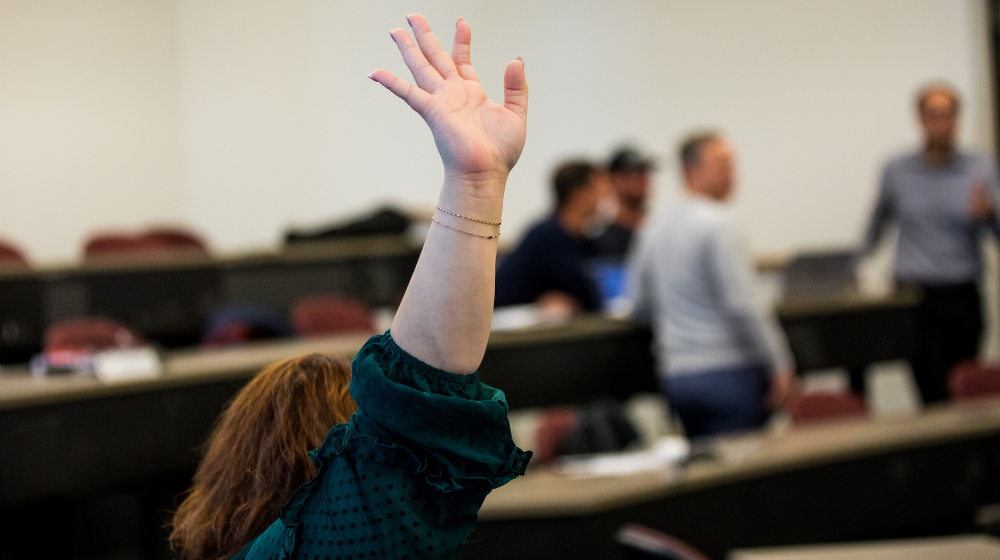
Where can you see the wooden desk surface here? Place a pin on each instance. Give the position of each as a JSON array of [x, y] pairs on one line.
[[966, 547], [850, 303], [192, 366], [546, 494], [18, 389]]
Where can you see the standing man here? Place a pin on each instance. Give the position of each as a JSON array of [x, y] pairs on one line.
[[722, 356], [628, 173], [942, 199], [549, 267]]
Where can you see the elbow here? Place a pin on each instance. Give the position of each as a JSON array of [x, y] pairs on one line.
[[458, 358], [460, 366]]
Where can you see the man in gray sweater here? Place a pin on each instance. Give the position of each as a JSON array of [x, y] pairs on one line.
[[722, 356]]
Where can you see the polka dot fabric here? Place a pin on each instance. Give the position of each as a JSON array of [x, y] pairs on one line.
[[405, 478]]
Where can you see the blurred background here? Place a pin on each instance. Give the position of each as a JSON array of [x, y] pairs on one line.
[[243, 118]]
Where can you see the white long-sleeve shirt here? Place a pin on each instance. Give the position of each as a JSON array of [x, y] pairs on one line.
[[692, 279]]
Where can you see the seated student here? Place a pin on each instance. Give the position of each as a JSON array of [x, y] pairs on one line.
[[550, 264], [406, 475], [628, 173]]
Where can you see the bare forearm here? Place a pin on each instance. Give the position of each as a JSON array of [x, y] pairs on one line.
[[444, 318]]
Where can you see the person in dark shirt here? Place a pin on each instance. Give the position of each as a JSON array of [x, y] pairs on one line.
[[549, 266], [628, 173]]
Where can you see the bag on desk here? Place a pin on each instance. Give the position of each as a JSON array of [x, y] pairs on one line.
[[386, 220], [602, 427]]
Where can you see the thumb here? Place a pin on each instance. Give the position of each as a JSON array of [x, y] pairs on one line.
[[515, 88]]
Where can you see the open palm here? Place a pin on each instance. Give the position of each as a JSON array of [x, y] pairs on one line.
[[476, 137]]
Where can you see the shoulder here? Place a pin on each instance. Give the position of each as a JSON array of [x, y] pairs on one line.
[[545, 229], [546, 225], [902, 162], [976, 161], [713, 216], [539, 236]]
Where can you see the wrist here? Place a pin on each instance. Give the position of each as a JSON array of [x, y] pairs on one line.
[[478, 195], [480, 182]]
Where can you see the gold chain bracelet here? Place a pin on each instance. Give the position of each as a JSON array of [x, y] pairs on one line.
[[468, 232], [468, 218]]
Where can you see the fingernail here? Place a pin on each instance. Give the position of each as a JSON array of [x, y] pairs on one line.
[[370, 76], [519, 58], [460, 20], [393, 37], [408, 19]]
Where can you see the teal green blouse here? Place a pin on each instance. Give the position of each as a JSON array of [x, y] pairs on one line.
[[406, 476]]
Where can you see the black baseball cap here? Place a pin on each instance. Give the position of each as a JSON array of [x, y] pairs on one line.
[[627, 159]]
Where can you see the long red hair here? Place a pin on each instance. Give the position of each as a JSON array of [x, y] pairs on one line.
[[257, 454]]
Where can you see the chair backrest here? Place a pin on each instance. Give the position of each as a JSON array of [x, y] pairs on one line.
[[175, 238], [11, 256], [162, 243], [236, 323], [554, 426], [330, 314], [236, 332], [971, 380], [819, 407], [637, 542], [114, 244], [90, 333]]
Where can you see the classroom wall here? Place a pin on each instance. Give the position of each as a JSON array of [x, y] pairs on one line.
[[242, 117], [89, 120]]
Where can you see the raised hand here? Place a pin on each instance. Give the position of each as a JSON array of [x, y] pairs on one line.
[[479, 140], [444, 317]]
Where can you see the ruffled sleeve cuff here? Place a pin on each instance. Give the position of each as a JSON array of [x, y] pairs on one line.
[[450, 427]]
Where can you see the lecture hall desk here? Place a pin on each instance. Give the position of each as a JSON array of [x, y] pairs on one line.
[[145, 428], [825, 483], [169, 300], [144, 434]]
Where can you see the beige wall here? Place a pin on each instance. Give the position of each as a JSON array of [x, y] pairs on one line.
[[244, 116], [89, 121]]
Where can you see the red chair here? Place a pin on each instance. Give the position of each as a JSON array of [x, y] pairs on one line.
[[819, 407], [328, 314], [11, 257], [555, 425], [114, 245], [90, 334], [972, 380], [156, 244], [232, 333], [638, 542], [175, 239]]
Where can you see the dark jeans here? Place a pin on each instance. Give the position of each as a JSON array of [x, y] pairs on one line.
[[949, 328], [719, 400]]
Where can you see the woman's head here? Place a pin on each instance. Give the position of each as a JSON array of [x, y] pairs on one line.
[[257, 454]]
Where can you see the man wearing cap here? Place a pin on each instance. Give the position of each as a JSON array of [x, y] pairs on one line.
[[942, 200], [628, 173]]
